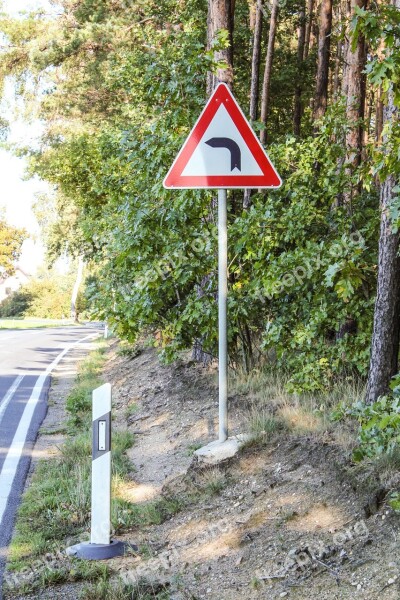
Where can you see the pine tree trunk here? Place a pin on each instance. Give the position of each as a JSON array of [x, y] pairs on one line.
[[309, 21], [379, 115], [268, 69], [255, 75], [346, 11], [338, 60], [356, 86], [255, 62], [324, 44], [220, 16], [298, 108], [385, 337]]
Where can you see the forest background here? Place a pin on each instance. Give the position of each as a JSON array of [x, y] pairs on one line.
[[314, 273]]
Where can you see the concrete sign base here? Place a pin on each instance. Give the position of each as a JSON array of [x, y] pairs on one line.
[[216, 452]]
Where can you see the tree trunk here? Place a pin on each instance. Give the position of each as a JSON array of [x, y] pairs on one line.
[[255, 62], [370, 103], [338, 60], [220, 16], [324, 44], [75, 291], [255, 75], [298, 108], [268, 69], [385, 337], [379, 115], [356, 85], [308, 26]]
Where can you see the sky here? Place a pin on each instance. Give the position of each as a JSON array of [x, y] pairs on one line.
[[17, 194]]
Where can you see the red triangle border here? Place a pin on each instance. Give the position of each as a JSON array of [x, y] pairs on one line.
[[175, 179]]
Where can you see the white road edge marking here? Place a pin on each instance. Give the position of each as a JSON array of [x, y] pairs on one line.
[[9, 395], [11, 462]]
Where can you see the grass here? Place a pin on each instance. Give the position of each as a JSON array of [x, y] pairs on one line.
[[33, 323], [209, 482], [56, 506], [118, 590], [213, 481], [130, 410], [79, 401], [263, 425], [41, 574], [129, 350], [55, 431], [192, 448], [55, 509], [126, 516], [271, 408]]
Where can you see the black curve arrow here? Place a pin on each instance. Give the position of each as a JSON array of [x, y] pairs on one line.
[[232, 146]]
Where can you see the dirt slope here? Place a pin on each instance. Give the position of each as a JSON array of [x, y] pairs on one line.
[[286, 520]]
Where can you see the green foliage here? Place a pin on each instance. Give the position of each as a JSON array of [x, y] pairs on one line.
[[382, 29], [11, 239], [297, 263], [379, 432], [46, 296], [123, 88], [16, 304]]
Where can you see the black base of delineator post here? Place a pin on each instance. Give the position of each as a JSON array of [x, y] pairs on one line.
[[90, 551]]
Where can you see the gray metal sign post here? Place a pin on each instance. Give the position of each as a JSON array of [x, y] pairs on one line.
[[222, 314]]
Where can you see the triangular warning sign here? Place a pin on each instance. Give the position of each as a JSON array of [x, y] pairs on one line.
[[222, 151]]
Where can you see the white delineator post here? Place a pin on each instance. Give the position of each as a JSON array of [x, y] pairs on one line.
[[101, 466], [101, 546], [222, 314]]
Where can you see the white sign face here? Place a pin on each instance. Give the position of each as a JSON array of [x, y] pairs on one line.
[[212, 159]]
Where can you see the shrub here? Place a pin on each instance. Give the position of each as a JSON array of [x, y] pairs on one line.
[[379, 430]]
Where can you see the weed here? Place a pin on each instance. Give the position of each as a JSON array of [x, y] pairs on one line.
[[255, 583], [379, 424], [117, 590], [122, 441], [389, 461], [394, 501], [129, 350], [130, 410], [263, 425], [192, 449], [271, 408], [126, 515], [211, 481], [57, 430]]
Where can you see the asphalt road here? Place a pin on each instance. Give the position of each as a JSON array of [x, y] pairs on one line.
[[27, 358]]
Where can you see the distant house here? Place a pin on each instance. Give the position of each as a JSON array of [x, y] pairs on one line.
[[11, 284]]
